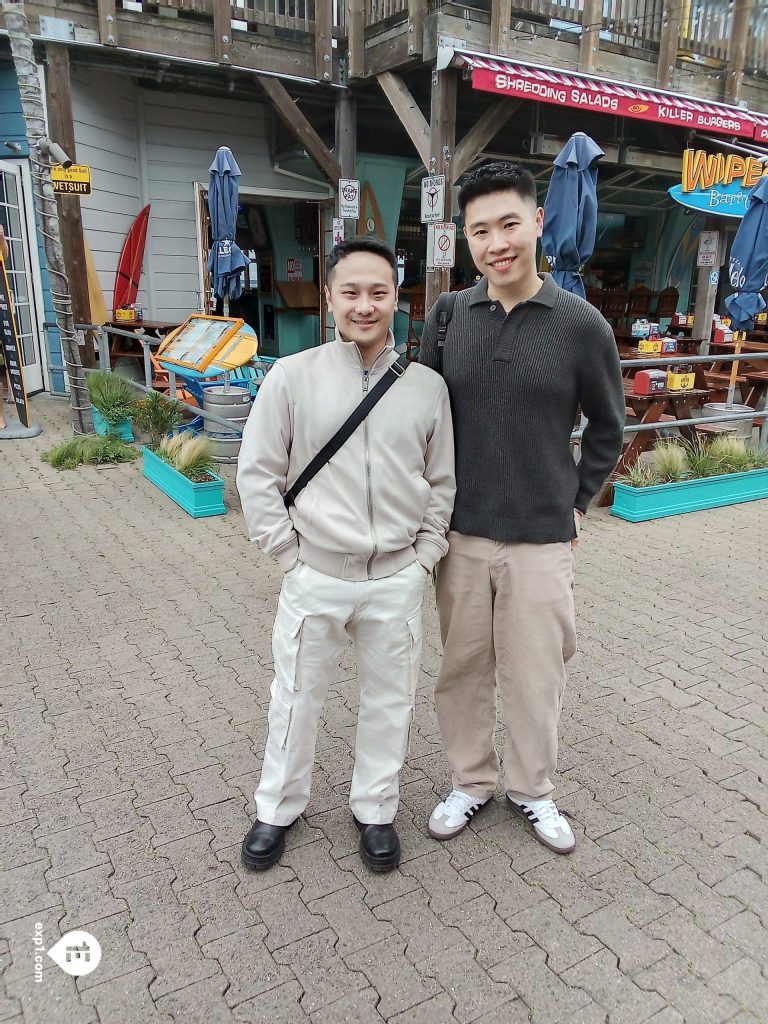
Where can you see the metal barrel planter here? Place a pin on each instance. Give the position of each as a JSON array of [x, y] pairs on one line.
[[229, 403]]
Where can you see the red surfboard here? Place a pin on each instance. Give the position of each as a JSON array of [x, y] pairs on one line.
[[129, 265]]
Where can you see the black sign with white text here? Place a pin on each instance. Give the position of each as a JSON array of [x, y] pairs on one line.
[[12, 349]]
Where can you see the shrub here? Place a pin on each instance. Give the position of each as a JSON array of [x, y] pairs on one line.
[[111, 395], [157, 416], [89, 451]]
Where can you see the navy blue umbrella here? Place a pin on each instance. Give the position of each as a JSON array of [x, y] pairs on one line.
[[748, 266], [570, 212], [226, 261]]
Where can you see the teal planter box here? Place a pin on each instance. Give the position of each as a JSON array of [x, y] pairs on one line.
[[198, 500], [638, 504], [121, 430]]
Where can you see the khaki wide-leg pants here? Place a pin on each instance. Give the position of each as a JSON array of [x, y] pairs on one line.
[[507, 620], [315, 616]]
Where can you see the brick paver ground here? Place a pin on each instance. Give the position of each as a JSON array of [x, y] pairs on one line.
[[135, 667]]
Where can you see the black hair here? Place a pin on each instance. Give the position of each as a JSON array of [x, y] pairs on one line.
[[359, 244], [500, 176]]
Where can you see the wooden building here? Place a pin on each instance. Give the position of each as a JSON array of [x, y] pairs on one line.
[[308, 91]]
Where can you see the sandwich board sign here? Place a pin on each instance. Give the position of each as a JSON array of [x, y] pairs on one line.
[[12, 349]]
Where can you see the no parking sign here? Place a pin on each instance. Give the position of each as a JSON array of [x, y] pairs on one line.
[[444, 247]]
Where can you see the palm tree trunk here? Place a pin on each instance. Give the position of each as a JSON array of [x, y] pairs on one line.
[[45, 202]]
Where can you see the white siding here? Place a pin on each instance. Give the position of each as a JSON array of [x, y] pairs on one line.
[[182, 133], [151, 146], [104, 108]]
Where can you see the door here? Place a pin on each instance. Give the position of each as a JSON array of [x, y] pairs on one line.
[[17, 219]]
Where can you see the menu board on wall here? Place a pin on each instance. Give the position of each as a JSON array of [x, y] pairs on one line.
[[12, 349]]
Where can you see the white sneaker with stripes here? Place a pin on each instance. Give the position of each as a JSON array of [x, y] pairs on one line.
[[453, 814], [549, 826]]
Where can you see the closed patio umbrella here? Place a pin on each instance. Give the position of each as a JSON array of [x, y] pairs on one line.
[[748, 270], [226, 261], [570, 212]]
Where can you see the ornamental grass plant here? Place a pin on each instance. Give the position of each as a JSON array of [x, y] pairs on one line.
[[189, 454], [112, 396], [674, 461]]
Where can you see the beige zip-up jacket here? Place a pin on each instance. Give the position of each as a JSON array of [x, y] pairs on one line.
[[384, 500]]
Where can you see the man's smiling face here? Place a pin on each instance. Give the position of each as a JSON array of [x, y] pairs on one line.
[[362, 297], [502, 230]]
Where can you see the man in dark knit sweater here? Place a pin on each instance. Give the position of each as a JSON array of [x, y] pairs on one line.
[[521, 356]]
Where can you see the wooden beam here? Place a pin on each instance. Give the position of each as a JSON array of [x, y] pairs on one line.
[[417, 15], [356, 34], [589, 44], [222, 31], [501, 21], [107, 22], [482, 132], [300, 128], [671, 20], [62, 129], [323, 35], [407, 110], [737, 49], [442, 145]]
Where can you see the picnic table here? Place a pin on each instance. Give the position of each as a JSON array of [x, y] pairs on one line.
[[663, 409], [751, 379]]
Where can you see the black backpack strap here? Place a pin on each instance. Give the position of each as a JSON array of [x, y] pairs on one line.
[[346, 430], [444, 311]]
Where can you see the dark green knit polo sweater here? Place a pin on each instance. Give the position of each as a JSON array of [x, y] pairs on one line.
[[516, 381]]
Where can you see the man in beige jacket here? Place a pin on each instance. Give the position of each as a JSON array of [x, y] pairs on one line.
[[357, 547]]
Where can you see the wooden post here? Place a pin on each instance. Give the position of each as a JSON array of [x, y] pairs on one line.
[[589, 44], [501, 20], [222, 30], [61, 126], [356, 33], [417, 13], [346, 144], [107, 22], [442, 142], [323, 34], [737, 49], [671, 21], [706, 293]]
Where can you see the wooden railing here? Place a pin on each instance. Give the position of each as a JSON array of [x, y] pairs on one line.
[[291, 15], [377, 11], [705, 28]]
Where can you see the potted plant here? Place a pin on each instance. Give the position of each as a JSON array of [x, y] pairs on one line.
[[182, 467], [112, 400], [690, 477], [157, 416]]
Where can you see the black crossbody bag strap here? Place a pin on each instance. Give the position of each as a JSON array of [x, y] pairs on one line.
[[445, 305], [346, 430]]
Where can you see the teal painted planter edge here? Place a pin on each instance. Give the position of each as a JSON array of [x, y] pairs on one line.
[[639, 504], [197, 500], [122, 430]]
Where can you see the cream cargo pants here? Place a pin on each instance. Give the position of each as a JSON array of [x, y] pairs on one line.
[[507, 621], [315, 616]]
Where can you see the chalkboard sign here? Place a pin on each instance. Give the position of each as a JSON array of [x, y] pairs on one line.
[[12, 349]]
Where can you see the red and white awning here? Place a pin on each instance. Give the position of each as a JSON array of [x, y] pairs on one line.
[[761, 126], [602, 96]]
